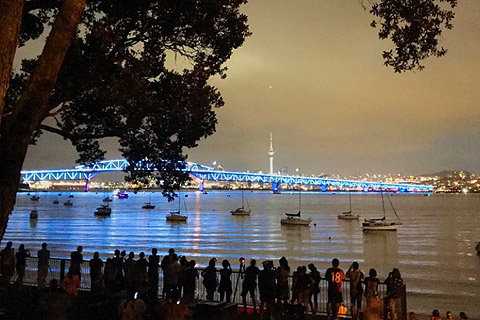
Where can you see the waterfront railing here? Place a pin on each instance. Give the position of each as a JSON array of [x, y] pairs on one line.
[[58, 268]]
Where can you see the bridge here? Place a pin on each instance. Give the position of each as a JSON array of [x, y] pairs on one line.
[[206, 173]]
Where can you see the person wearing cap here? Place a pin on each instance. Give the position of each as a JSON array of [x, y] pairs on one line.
[[42, 267]]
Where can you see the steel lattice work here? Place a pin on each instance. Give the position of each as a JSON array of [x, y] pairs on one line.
[[206, 173]]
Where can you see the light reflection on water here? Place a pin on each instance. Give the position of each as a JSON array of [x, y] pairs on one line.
[[434, 249]]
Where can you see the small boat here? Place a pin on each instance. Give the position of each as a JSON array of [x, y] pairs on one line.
[[294, 219], [34, 214], [381, 224], [122, 195], [68, 203], [348, 215], [103, 211], [70, 196], [56, 201], [148, 205], [35, 198], [205, 192], [176, 216], [242, 211], [107, 199]]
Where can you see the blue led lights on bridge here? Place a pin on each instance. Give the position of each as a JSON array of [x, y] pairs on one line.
[[205, 173]]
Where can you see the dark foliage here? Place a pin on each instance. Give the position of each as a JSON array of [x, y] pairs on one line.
[[114, 81], [414, 26]]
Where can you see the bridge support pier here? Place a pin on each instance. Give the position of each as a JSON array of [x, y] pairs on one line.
[[275, 187], [200, 186], [86, 185], [324, 187]]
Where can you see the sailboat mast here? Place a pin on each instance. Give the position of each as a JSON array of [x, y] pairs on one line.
[[350, 200], [383, 204], [300, 198], [243, 206]]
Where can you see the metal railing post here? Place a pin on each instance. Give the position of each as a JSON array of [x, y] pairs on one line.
[[62, 270]]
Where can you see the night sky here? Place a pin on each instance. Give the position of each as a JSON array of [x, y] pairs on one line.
[[313, 75]]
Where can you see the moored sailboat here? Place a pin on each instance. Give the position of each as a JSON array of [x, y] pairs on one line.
[[381, 224], [148, 205], [176, 216], [103, 211], [348, 215], [295, 218], [242, 211]]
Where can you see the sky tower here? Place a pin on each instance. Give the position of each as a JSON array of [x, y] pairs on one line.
[[270, 153]]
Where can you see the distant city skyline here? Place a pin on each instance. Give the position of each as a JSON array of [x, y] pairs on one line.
[[312, 74]]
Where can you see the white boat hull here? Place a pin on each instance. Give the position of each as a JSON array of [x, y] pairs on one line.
[[296, 221], [380, 226], [348, 216]]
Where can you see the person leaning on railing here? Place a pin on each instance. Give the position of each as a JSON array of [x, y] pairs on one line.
[[21, 257]]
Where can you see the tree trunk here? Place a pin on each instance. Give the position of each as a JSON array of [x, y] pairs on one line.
[[32, 107], [10, 22]]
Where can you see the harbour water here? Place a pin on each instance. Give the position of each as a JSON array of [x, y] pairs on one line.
[[434, 248]]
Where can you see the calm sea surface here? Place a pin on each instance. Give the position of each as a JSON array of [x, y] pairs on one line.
[[434, 249]]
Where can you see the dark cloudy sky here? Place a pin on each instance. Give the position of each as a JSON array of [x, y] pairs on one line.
[[312, 74]]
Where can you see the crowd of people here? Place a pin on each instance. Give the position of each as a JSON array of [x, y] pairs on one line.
[[139, 278], [436, 316]]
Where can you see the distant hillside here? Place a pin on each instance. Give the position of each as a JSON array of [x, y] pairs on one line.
[[450, 174]]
